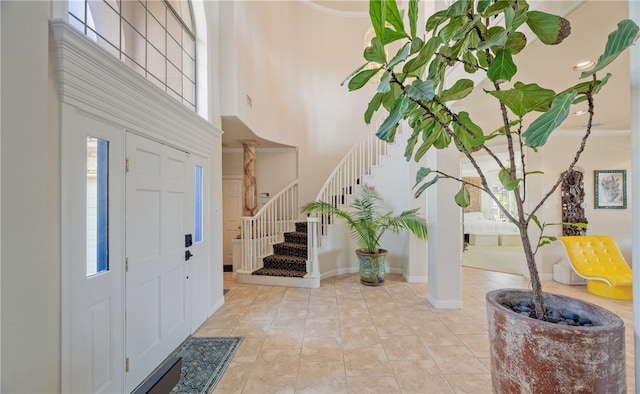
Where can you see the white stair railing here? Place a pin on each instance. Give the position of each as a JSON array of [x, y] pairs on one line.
[[344, 180], [260, 232]]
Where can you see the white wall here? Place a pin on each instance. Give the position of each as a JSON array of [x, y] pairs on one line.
[[606, 150], [290, 58], [30, 221], [275, 167]]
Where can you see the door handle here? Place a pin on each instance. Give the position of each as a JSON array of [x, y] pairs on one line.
[[187, 255]]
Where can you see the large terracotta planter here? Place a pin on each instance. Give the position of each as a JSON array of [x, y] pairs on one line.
[[534, 356], [372, 267]]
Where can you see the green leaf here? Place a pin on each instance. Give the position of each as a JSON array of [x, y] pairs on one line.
[[482, 5], [390, 97], [497, 38], [430, 133], [461, 89], [361, 78], [543, 242], [413, 17], [506, 181], [425, 186], [540, 129], [547, 27], [354, 72], [502, 67], [422, 173], [421, 90], [496, 8], [450, 29], [469, 133], [416, 45], [385, 132], [509, 14], [375, 53], [385, 83], [391, 138], [443, 139], [462, 197], [423, 56], [522, 99], [537, 222], [373, 106], [470, 62], [391, 35], [520, 17], [394, 17], [411, 143], [401, 56], [482, 58], [378, 16], [459, 8], [516, 41], [422, 188], [619, 40], [435, 20]]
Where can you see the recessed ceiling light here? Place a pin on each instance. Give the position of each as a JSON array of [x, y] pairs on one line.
[[581, 112], [583, 65]]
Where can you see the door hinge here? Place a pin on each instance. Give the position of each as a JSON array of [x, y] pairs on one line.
[[126, 165], [126, 364], [126, 264]]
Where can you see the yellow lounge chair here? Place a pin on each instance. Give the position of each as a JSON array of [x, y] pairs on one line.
[[598, 259]]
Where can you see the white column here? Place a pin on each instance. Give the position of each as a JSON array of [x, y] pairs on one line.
[[634, 75], [445, 233]]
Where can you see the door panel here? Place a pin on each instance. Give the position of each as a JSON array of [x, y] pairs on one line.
[[159, 195], [198, 266], [96, 296]]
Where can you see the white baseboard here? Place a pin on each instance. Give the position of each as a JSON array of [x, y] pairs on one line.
[[416, 279], [309, 282], [452, 304]]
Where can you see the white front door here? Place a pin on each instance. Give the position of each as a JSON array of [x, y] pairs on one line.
[[159, 213]]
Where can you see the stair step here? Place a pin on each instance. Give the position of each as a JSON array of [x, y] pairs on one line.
[[278, 261], [296, 237], [301, 227], [279, 272], [291, 249]]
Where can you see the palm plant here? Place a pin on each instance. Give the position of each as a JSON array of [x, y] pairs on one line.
[[366, 221]]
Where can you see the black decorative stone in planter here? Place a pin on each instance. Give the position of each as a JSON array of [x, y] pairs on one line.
[[533, 356]]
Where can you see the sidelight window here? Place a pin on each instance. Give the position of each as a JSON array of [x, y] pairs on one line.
[[198, 204], [97, 206]]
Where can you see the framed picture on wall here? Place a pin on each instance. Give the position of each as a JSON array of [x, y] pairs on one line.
[[611, 189]]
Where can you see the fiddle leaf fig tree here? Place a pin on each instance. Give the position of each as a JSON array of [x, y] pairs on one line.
[[482, 37]]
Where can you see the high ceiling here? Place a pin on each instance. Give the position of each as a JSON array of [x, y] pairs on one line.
[[549, 66]]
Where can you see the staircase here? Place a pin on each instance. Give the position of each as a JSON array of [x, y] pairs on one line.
[[265, 259], [289, 258]]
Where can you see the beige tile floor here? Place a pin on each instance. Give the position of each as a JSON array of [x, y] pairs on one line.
[[348, 338]]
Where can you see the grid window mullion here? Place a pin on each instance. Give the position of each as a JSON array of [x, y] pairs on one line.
[[152, 38]]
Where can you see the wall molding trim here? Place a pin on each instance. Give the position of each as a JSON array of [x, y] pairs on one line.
[[94, 81]]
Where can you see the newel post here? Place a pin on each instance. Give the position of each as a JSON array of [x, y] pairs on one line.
[[312, 246]]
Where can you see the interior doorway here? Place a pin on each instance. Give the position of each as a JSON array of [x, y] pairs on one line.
[[232, 214]]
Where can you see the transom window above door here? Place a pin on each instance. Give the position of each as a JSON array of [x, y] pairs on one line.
[[156, 38]]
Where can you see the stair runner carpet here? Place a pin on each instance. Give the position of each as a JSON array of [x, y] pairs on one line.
[[289, 258]]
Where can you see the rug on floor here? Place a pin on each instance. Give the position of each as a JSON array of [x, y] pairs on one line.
[[204, 360]]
